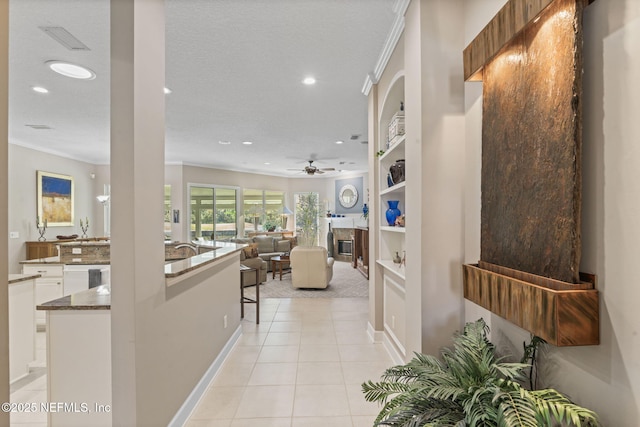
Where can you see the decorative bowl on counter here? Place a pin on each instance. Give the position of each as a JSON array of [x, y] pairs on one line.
[[73, 236]]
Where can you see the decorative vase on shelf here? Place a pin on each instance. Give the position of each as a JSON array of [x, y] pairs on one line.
[[397, 171], [389, 180], [393, 212]]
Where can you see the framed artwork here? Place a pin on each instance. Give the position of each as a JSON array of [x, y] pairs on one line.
[[54, 199]]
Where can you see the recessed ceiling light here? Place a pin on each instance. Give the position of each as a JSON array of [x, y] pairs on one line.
[[339, 142], [309, 81], [247, 142], [267, 163], [224, 142], [40, 89], [167, 91], [71, 70]]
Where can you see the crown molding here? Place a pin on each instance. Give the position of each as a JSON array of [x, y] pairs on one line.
[[399, 8]]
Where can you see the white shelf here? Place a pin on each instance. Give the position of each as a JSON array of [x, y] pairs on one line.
[[393, 229], [395, 148], [394, 268], [394, 189]]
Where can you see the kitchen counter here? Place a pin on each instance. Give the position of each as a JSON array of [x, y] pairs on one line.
[[48, 260], [205, 286], [220, 250], [17, 278], [173, 268], [98, 298]]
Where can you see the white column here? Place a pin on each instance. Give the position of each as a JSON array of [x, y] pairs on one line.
[[4, 210], [137, 194]]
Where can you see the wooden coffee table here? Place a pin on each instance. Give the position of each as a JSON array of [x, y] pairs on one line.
[[279, 263]]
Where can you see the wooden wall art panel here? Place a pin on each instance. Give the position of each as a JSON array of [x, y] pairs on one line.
[[531, 143]]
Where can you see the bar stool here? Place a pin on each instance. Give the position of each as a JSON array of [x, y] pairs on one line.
[[243, 299]]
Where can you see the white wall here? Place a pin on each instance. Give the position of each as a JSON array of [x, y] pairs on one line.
[[605, 378], [435, 163], [23, 164]]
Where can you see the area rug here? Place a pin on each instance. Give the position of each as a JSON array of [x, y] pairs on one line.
[[347, 282]]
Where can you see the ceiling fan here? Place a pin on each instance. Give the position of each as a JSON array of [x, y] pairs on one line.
[[310, 169]]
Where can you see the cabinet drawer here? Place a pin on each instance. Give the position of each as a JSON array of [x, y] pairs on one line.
[[45, 270]]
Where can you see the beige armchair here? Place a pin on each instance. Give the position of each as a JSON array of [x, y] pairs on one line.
[[249, 279], [310, 267]]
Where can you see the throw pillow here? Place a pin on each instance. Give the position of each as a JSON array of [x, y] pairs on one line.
[[265, 244], [251, 251], [293, 241], [283, 246]]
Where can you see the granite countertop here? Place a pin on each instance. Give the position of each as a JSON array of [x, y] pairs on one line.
[[87, 243], [171, 269], [49, 260], [16, 278], [98, 298], [221, 249]]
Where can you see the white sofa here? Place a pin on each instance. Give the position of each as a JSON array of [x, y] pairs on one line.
[[310, 267]]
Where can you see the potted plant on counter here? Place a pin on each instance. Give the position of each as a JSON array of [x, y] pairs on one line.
[[469, 386]]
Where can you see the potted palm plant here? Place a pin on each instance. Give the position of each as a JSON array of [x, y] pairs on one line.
[[469, 386]]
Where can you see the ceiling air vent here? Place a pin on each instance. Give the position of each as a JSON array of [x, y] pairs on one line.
[[355, 137], [39, 127], [65, 38]]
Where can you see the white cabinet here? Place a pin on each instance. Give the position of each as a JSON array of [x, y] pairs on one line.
[[21, 328], [48, 287]]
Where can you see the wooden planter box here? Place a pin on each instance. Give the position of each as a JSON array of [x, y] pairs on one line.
[[564, 314]]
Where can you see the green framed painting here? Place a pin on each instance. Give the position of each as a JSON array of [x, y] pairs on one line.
[[54, 199]]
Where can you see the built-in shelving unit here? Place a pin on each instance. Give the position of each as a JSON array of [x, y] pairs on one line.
[[391, 239], [392, 267], [396, 189]]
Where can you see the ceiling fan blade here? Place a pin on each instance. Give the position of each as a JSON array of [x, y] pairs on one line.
[[318, 171], [328, 169]]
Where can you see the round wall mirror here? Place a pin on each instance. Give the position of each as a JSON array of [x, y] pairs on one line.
[[348, 196]]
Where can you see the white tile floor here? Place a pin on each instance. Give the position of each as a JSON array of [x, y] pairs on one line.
[[32, 389], [303, 366]]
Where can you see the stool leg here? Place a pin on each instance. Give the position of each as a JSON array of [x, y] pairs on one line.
[[241, 298], [257, 295]]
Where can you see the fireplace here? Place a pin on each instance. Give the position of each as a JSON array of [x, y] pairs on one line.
[[344, 247]]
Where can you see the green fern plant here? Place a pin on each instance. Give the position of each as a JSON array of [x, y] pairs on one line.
[[468, 387]]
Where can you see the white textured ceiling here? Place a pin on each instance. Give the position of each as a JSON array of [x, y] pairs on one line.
[[235, 69]]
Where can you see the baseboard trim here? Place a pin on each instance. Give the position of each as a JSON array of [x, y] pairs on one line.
[[374, 336], [389, 345], [183, 414]]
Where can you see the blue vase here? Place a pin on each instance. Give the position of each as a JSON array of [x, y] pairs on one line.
[[393, 212], [389, 180]]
